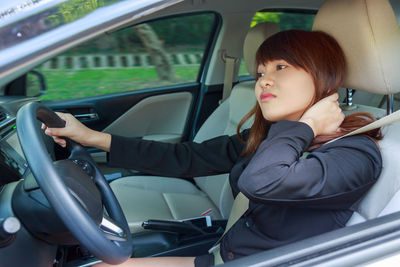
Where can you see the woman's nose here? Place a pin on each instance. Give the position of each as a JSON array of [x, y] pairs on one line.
[[266, 81]]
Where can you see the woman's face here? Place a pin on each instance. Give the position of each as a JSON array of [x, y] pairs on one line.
[[283, 91]]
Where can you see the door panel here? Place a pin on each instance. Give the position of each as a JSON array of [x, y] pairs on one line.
[[101, 112], [160, 117]]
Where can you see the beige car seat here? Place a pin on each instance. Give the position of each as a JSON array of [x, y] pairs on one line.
[[154, 197], [369, 34]]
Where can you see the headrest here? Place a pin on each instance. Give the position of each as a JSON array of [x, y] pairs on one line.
[[369, 34], [254, 38]]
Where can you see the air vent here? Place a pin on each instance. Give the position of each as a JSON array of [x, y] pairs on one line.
[[3, 116]]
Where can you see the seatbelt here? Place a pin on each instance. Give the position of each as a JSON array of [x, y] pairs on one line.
[[229, 72], [239, 207], [388, 119], [241, 203]]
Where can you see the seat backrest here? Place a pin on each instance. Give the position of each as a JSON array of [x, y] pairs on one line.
[[224, 120], [369, 35]]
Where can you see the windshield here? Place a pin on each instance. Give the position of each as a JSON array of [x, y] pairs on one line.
[[31, 30], [25, 19]]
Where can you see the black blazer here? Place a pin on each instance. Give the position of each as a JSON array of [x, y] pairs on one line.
[[291, 198]]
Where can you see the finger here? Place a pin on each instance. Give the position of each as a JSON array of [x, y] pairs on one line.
[[51, 132], [59, 141], [55, 131], [63, 116], [48, 132], [60, 114]]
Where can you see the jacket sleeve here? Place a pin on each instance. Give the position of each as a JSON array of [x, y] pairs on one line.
[[189, 159], [333, 176]]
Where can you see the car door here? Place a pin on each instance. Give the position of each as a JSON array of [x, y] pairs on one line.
[[140, 81]]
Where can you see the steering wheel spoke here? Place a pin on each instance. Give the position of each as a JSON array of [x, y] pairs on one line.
[[112, 230]]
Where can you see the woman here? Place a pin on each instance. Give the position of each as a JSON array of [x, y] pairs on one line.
[[292, 196]]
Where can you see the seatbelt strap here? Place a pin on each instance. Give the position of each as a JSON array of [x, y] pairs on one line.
[[239, 207], [388, 119], [228, 79], [241, 203]]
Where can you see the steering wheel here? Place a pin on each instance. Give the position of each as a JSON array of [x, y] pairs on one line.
[[75, 188]]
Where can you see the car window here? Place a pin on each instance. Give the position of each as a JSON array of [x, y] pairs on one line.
[[154, 54], [285, 20]]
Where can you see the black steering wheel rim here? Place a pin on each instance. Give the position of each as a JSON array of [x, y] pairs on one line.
[[65, 205]]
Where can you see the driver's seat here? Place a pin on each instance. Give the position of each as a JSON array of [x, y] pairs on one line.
[[373, 59], [165, 198]]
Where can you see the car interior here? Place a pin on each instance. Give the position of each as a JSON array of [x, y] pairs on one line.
[[173, 198], [170, 216]]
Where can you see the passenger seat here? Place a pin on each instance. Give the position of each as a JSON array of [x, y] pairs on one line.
[[165, 198]]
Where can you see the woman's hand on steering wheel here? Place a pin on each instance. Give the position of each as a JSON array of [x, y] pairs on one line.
[[79, 197], [77, 132]]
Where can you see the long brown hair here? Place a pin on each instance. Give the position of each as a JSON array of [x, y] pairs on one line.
[[319, 55]]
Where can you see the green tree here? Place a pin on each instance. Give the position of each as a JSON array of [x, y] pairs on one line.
[[265, 16], [76, 9], [286, 21]]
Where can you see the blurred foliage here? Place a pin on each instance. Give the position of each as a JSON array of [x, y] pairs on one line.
[[265, 16], [296, 21], [191, 32], [286, 21], [182, 34], [73, 10]]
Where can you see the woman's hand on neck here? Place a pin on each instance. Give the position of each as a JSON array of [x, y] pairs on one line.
[[325, 116]]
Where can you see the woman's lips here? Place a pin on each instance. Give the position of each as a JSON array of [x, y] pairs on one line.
[[266, 96]]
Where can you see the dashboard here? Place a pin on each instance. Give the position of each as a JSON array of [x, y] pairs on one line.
[[11, 152], [12, 160]]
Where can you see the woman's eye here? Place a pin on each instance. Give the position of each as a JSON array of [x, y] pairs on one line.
[[260, 74], [281, 67]]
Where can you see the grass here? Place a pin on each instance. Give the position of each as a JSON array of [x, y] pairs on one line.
[[68, 84]]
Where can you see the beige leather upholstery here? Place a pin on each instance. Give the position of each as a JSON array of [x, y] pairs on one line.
[[148, 197], [254, 39], [153, 121], [384, 197], [242, 99], [152, 197], [369, 34]]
